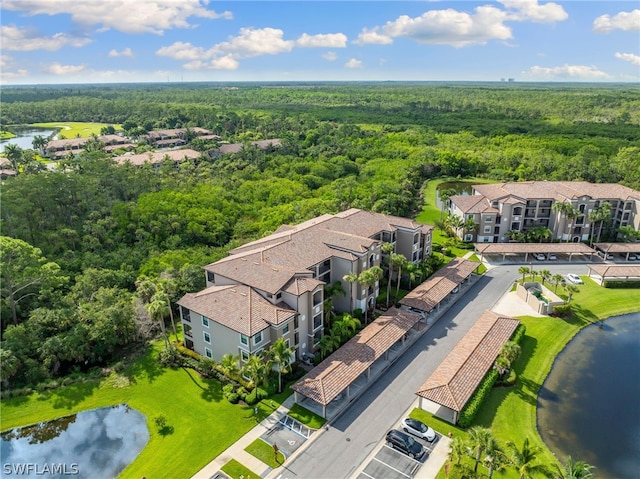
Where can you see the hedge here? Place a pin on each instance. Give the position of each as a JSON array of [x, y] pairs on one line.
[[622, 284], [472, 407]]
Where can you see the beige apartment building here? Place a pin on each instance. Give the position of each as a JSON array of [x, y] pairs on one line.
[[521, 206], [274, 287]]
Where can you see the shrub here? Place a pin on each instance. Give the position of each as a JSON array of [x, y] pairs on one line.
[[518, 334], [562, 311], [233, 398], [227, 389], [170, 357], [622, 284], [357, 313], [473, 405]]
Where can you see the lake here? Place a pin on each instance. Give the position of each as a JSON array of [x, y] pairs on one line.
[[92, 444], [25, 136], [460, 187], [589, 405]]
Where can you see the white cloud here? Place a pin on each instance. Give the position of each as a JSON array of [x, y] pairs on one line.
[[21, 39], [628, 21], [58, 69], [226, 62], [530, 10], [629, 57], [128, 16], [353, 63], [373, 36], [255, 42], [182, 51], [8, 70], [326, 40], [330, 56], [127, 52], [567, 72]]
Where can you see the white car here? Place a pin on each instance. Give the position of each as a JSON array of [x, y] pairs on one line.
[[539, 256], [418, 428], [574, 278], [552, 257], [633, 257]]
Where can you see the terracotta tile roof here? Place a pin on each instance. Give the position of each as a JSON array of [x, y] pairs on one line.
[[299, 286], [428, 294], [457, 377], [557, 190], [616, 271], [237, 307], [471, 204], [262, 144], [338, 371], [158, 156], [498, 248], [618, 247]]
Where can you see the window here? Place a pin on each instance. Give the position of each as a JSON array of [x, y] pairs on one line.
[[205, 322], [208, 353], [317, 321], [488, 219], [317, 297], [210, 277], [257, 338], [187, 330], [186, 313], [244, 340], [207, 338], [517, 210], [244, 355], [487, 229], [285, 329]]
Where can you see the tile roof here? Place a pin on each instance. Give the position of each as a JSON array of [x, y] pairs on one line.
[[333, 375], [499, 248], [616, 271], [457, 377], [158, 156], [618, 247], [432, 291], [237, 307], [471, 204], [557, 190], [261, 144]]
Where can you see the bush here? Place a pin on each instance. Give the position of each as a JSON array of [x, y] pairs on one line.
[[233, 398], [227, 389], [357, 313], [622, 284], [170, 357], [472, 407], [562, 311]]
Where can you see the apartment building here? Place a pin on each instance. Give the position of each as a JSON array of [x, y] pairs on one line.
[[274, 287], [519, 207]]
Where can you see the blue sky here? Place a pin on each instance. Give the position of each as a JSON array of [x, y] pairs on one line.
[[105, 41]]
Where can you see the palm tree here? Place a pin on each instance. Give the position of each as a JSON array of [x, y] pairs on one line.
[[502, 365], [387, 251], [330, 291], [369, 278], [545, 274], [253, 368], [281, 354], [157, 309], [525, 460], [494, 458], [559, 207], [13, 154], [351, 323], [510, 350], [628, 232], [39, 142], [163, 296], [523, 270], [350, 278], [557, 279], [571, 214], [327, 345], [445, 195], [571, 290], [399, 261], [410, 269], [229, 364], [604, 214], [573, 470], [470, 225], [479, 437], [457, 449], [340, 331]]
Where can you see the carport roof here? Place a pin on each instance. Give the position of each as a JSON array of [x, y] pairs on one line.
[[504, 248], [618, 247], [458, 376], [333, 375], [428, 294], [615, 271]]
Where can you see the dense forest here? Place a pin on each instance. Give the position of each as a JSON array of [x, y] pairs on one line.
[[89, 246]]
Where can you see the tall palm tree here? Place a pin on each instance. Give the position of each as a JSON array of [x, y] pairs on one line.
[[557, 279], [604, 214], [561, 208], [39, 142], [445, 195], [350, 278], [398, 261], [573, 470], [479, 437], [470, 225], [571, 214], [457, 449], [545, 274], [253, 368], [13, 154], [494, 457], [281, 354], [163, 296], [523, 270], [525, 460], [157, 309], [327, 344], [387, 251], [571, 290]]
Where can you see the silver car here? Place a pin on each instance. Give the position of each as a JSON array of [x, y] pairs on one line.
[[574, 278], [418, 428]]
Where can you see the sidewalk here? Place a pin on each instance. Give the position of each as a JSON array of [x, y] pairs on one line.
[[236, 450]]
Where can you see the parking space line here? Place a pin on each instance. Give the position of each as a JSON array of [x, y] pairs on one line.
[[392, 468], [368, 475]]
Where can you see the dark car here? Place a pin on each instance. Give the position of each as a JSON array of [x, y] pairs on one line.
[[405, 443]]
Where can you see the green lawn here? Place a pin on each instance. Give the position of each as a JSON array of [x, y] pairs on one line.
[[265, 453], [511, 412], [306, 417], [235, 470], [6, 135], [201, 422], [76, 129]]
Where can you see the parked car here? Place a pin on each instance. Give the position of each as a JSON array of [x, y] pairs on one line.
[[605, 255], [633, 257], [574, 278], [405, 443], [552, 257], [418, 428], [539, 256]]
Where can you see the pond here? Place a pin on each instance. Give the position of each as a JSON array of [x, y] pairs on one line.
[[460, 187], [25, 136], [588, 406], [92, 444]]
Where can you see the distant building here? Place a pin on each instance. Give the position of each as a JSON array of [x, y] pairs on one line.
[[521, 206]]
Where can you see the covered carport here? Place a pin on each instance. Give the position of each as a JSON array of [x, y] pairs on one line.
[[602, 273], [430, 294], [486, 250], [450, 386], [329, 387], [621, 249]]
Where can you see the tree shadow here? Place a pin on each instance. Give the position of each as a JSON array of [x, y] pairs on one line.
[[69, 396], [146, 366], [166, 430]]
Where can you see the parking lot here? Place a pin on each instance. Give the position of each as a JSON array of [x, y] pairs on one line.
[[389, 463]]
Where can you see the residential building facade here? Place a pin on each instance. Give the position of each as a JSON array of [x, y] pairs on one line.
[[500, 209], [275, 287]]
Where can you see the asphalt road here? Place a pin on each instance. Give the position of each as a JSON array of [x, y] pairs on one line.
[[350, 438]]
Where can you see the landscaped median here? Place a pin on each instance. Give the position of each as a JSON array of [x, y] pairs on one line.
[[510, 412]]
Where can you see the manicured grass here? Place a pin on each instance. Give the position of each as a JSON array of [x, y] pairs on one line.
[[76, 129], [235, 470], [482, 268], [6, 135], [201, 423], [511, 412], [306, 417], [265, 453]]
